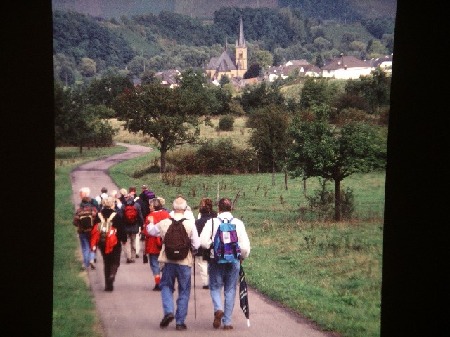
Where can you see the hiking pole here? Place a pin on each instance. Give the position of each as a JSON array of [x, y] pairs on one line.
[[195, 299]]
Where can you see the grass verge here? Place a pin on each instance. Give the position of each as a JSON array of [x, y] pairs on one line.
[[73, 307]]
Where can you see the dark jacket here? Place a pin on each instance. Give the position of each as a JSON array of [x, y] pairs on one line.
[[200, 223], [132, 228]]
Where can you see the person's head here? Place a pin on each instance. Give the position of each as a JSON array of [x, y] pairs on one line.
[[108, 202], [155, 204], [206, 205], [162, 201], [144, 187], [123, 192], [225, 205], [132, 190], [85, 193], [179, 204], [104, 190], [114, 193]]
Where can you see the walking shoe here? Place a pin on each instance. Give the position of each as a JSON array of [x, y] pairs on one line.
[[137, 256], [92, 265], [129, 260], [227, 327], [181, 326], [166, 320], [205, 287], [217, 319], [109, 288], [157, 288]]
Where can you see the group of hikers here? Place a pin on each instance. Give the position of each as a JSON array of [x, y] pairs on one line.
[[173, 240]]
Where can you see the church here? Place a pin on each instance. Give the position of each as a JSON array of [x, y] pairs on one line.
[[226, 64]]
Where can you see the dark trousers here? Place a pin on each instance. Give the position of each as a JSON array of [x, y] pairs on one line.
[[111, 263]]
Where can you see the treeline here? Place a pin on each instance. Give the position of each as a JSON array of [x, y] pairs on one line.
[[85, 47]]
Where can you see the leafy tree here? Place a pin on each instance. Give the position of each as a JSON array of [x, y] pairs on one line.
[[103, 91], [162, 113], [270, 138], [321, 150], [64, 68], [77, 123], [88, 67], [253, 71], [374, 90], [264, 94], [317, 92]]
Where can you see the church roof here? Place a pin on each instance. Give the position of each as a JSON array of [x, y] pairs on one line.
[[223, 63]]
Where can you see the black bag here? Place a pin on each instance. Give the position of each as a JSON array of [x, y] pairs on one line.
[[176, 241], [206, 253]]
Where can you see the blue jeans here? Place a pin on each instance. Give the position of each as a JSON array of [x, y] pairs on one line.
[[154, 264], [88, 255], [223, 275], [181, 273]]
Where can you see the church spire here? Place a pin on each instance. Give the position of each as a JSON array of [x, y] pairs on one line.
[[241, 42]]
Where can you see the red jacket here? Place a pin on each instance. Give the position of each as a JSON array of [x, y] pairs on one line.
[[153, 244]]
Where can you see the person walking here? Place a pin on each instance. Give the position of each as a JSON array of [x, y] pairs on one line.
[[175, 270], [153, 244], [112, 227], [206, 212], [224, 275], [133, 221], [84, 219]]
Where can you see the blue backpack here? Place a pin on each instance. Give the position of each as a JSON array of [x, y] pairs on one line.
[[225, 244]]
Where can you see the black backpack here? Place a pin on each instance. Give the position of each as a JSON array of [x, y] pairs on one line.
[[176, 241]]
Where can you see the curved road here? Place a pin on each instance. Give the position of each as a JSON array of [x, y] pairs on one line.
[[134, 310]]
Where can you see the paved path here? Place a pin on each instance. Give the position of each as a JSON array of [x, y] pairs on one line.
[[134, 310]]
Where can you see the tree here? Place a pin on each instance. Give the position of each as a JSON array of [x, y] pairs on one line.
[[77, 123], [270, 138], [261, 95], [162, 113], [103, 91], [321, 150]]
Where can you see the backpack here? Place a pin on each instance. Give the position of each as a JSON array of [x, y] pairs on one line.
[[225, 245], [130, 214], [86, 215], [104, 228], [176, 241]]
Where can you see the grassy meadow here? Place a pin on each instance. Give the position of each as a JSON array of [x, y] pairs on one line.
[[329, 272]]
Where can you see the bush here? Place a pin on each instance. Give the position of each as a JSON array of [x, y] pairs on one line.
[[226, 123], [216, 157]]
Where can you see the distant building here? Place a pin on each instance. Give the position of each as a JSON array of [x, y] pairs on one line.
[[346, 67], [227, 65]]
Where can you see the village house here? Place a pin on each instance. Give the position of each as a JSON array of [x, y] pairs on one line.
[[346, 68]]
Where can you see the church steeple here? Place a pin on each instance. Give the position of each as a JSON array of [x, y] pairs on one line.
[[241, 41], [241, 52]]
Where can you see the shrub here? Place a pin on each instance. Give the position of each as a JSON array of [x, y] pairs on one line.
[[216, 157], [226, 123]]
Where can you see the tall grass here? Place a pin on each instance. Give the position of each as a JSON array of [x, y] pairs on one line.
[[329, 272], [73, 307]]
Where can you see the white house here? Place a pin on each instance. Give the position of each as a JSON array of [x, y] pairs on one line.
[[347, 67]]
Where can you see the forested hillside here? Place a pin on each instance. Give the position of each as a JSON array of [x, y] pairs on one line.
[[323, 9], [85, 46]]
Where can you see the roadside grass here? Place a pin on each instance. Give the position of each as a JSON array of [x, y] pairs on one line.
[[329, 272], [74, 311]]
